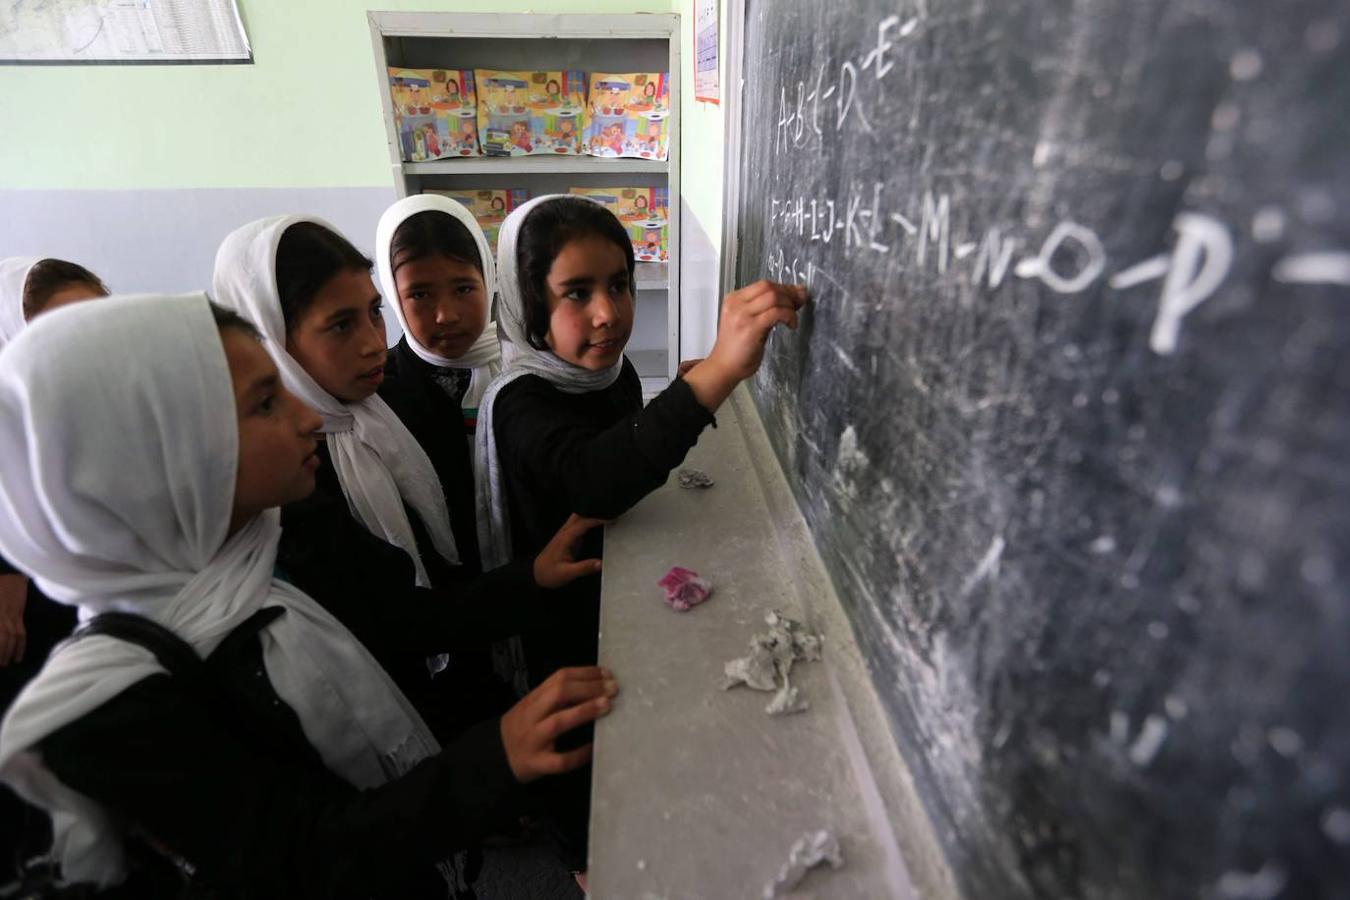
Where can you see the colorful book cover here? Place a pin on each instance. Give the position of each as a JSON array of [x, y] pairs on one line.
[[628, 115], [489, 207], [644, 213], [520, 113], [435, 113]]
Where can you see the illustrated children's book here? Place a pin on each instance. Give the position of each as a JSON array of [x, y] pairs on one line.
[[489, 207], [628, 115], [520, 113], [645, 216], [435, 113]]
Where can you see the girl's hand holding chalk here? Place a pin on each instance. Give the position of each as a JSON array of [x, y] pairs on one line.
[[748, 315]]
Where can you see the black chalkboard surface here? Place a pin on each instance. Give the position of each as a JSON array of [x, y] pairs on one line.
[[1070, 417]]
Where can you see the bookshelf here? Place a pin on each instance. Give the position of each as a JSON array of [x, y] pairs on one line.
[[592, 43]]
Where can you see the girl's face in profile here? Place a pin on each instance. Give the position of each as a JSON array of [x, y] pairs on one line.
[[277, 433]]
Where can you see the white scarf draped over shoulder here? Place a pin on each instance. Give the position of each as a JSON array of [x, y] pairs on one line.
[[379, 463], [494, 525], [120, 443], [13, 278], [484, 358]]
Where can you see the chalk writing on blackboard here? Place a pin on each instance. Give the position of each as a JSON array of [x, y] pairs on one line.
[[1070, 259]]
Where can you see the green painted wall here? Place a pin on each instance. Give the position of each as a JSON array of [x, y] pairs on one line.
[[305, 114]]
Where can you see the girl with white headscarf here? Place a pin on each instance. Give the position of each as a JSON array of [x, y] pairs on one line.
[[30, 624], [457, 337], [381, 469], [29, 286], [436, 272], [563, 429], [147, 447]]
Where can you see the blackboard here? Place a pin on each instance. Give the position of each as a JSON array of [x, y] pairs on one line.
[[1070, 416]]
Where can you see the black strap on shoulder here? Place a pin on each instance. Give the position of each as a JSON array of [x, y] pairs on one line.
[[174, 654]]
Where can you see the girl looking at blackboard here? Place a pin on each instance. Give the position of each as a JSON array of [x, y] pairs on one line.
[[563, 429], [261, 740]]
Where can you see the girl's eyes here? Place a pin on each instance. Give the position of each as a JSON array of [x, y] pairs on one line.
[[267, 404], [580, 295], [619, 287]]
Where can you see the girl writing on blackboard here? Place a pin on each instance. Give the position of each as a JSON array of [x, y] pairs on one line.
[[563, 429], [291, 762]]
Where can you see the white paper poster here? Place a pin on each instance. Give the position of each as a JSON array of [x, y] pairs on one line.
[[706, 86]]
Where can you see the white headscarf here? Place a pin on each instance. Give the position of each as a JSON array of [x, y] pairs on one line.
[[484, 357], [118, 427], [494, 524], [13, 278], [379, 463]]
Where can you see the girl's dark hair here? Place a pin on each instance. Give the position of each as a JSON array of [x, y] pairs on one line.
[[228, 318], [543, 234], [309, 254], [47, 277], [432, 233]]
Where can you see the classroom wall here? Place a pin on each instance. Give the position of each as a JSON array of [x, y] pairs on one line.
[[701, 186], [305, 114], [139, 171]]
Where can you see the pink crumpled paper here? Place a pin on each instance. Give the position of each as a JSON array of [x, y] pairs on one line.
[[684, 588]]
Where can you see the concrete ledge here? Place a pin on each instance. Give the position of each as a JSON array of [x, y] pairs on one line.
[[699, 793]]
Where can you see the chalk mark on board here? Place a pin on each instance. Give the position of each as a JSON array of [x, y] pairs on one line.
[[1151, 269], [910, 228], [1314, 268], [1041, 266], [1071, 258], [1200, 262], [987, 566]]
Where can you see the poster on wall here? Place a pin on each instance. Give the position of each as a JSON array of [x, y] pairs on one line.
[[706, 87], [121, 31]]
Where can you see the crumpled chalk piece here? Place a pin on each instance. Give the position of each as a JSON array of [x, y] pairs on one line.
[[755, 671], [811, 850], [769, 665], [786, 702], [693, 478], [684, 588]]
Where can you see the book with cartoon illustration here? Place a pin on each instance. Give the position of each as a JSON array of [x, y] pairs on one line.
[[522, 113], [644, 213], [489, 207], [628, 115], [435, 113]]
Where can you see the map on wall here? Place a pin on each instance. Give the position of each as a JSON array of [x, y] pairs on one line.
[[64, 31]]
